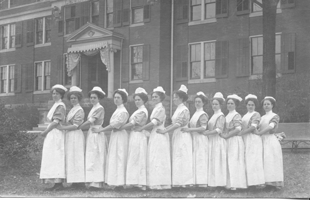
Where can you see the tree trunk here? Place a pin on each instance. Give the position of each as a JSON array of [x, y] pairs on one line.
[[269, 42]]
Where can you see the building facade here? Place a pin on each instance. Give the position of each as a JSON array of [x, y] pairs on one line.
[[216, 46]]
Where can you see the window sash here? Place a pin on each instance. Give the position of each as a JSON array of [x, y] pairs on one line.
[[242, 5], [257, 54], [196, 12], [47, 75], [11, 78], [136, 62], [210, 9], [137, 15], [38, 71], [95, 8], [3, 79], [109, 13], [209, 59], [7, 78]]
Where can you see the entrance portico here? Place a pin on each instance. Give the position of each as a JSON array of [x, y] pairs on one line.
[[91, 57]]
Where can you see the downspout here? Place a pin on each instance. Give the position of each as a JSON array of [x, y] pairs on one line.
[[121, 64], [171, 52]]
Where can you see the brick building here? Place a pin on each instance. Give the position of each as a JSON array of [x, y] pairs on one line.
[[217, 46]]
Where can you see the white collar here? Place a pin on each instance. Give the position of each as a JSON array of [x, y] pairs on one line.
[[180, 105], [218, 111], [269, 112], [76, 105], [58, 101], [232, 112], [251, 112], [96, 105], [142, 106], [120, 106], [199, 109], [158, 105]]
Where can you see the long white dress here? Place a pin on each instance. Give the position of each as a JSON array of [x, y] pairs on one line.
[[137, 150], [253, 151], [118, 147], [96, 149], [217, 169], [200, 148], [53, 154], [273, 160], [236, 177], [158, 155], [182, 149], [75, 147]]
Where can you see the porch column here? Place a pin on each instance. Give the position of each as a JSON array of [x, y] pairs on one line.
[[74, 78], [111, 75]]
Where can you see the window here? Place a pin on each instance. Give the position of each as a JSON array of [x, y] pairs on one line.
[[214, 55], [8, 36], [195, 64], [195, 10], [43, 30], [95, 12], [209, 57], [7, 79], [4, 4], [257, 54], [137, 15], [256, 6], [42, 75], [67, 80], [70, 19], [206, 69], [136, 62], [242, 5], [203, 9], [209, 9], [109, 13]]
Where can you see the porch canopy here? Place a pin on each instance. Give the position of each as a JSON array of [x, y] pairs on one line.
[[91, 40]]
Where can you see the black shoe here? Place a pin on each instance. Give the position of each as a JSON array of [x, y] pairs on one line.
[[77, 186], [94, 189], [56, 187]]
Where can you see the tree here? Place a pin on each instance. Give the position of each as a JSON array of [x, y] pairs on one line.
[[269, 42]]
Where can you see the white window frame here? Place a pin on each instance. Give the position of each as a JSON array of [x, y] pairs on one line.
[[44, 33], [130, 67], [42, 75], [202, 18], [260, 13], [202, 62], [7, 78], [260, 76], [9, 37]]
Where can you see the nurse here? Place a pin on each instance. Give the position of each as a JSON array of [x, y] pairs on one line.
[[53, 154]]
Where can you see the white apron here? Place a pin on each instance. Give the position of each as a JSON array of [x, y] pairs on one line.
[[53, 153], [236, 177], [137, 153], [158, 156], [253, 154], [182, 153], [95, 157], [117, 154], [273, 160], [200, 153], [75, 151]]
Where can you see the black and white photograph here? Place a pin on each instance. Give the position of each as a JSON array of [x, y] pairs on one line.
[[155, 99]]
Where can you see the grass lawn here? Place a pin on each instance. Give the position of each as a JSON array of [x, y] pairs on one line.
[[25, 183]]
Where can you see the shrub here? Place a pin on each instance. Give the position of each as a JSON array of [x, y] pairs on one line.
[[16, 146]]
